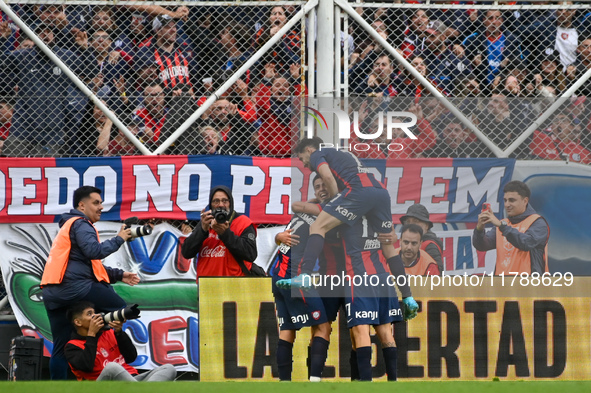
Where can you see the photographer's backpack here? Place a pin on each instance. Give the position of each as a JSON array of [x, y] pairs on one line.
[[24, 359]]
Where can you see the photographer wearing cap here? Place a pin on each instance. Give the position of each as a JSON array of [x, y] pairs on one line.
[[95, 353], [74, 271], [224, 241]]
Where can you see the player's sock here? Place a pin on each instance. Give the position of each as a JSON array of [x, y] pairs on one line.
[[309, 360], [318, 353], [397, 269], [354, 367], [314, 247], [364, 363], [284, 359], [390, 357]]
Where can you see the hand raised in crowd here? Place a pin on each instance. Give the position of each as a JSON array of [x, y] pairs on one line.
[[98, 82], [120, 85], [117, 326], [181, 12], [459, 51], [5, 30], [81, 38], [124, 232], [114, 57], [274, 30], [418, 111], [295, 70], [241, 88], [130, 278], [96, 324], [270, 70], [288, 238]]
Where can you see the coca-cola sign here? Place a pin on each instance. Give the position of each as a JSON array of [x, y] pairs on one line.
[[218, 251]]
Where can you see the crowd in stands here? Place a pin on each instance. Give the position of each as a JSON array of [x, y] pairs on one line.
[[154, 66]]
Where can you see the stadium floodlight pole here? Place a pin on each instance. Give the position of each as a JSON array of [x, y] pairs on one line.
[[547, 113], [79, 84], [432, 89], [222, 89]]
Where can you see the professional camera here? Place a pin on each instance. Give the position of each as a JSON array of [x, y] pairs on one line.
[[131, 312], [137, 231], [220, 215]]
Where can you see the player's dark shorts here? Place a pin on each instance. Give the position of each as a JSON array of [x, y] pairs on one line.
[[332, 305], [372, 305], [296, 312], [371, 202]]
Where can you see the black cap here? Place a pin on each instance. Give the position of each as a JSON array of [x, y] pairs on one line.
[[419, 212]]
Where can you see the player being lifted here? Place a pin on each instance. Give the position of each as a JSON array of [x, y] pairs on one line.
[[355, 193]]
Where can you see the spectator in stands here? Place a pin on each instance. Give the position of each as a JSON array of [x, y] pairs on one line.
[[561, 35], [575, 71], [409, 86], [456, 143], [561, 141], [102, 19], [112, 69], [42, 116], [135, 32], [55, 17], [175, 64], [274, 107], [414, 34], [174, 60], [550, 74], [502, 125], [237, 135], [235, 49], [211, 140], [285, 53], [493, 49], [379, 83], [120, 144], [443, 65], [153, 112], [6, 111]]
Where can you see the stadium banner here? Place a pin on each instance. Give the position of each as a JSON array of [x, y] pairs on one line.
[[38, 190], [167, 331], [514, 332]]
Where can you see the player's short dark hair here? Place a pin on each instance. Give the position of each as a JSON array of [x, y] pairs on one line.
[[83, 193], [312, 142], [519, 187], [414, 228], [77, 309]]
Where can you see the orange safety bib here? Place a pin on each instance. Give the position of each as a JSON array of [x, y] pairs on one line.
[[512, 259], [57, 262]]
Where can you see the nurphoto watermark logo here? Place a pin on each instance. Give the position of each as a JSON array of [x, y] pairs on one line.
[[366, 139]]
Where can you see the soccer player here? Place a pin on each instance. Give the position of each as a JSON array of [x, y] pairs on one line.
[[297, 309], [351, 188], [370, 299]]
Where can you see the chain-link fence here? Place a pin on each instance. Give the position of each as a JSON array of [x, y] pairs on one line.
[[153, 64]]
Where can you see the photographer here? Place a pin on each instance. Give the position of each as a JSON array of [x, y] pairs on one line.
[[104, 355], [225, 244], [74, 271]]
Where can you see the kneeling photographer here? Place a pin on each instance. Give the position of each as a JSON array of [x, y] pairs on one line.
[[224, 241], [103, 354]]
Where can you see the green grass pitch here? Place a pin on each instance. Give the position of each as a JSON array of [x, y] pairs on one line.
[[299, 387]]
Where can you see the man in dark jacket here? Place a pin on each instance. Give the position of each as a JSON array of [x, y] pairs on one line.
[[418, 214], [45, 98], [74, 272], [493, 49], [225, 244], [521, 240]]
